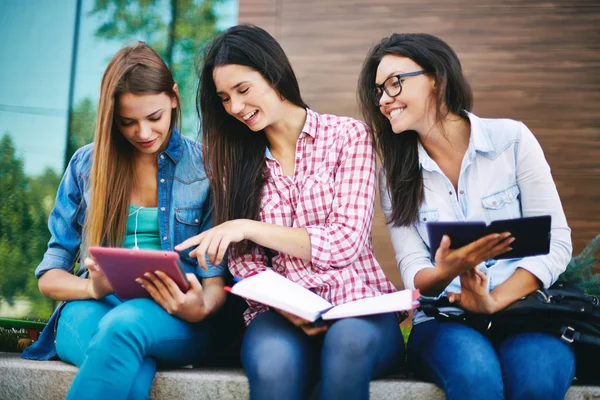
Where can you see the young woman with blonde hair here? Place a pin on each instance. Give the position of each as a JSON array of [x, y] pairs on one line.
[[141, 184]]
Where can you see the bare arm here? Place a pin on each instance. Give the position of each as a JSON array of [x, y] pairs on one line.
[[214, 294], [521, 283], [200, 301], [474, 295], [292, 241], [61, 285]]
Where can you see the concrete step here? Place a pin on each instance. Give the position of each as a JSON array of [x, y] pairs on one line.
[[49, 380]]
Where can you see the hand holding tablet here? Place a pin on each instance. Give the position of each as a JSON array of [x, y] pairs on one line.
[[532, 234], [123, 266]]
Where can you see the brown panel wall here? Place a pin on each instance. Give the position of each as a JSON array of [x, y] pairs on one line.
[[535, 61]]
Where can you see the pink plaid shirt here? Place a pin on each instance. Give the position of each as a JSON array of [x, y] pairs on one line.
[[332, 196]]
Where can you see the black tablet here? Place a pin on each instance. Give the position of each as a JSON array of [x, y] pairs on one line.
[[532, 234]]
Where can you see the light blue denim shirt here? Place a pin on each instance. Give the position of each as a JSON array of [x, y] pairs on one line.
[[184, 208], [503, 175]]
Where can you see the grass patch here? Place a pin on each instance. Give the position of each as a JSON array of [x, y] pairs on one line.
[[405, 332]]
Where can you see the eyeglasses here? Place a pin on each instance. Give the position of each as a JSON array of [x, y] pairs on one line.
[[392, 86]]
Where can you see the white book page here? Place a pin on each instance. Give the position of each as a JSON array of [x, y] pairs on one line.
[[397, 301], [274, 290]]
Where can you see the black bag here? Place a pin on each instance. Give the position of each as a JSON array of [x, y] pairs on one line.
[[562, 310]]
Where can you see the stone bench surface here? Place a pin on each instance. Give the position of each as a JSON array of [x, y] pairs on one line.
[[49, 380]]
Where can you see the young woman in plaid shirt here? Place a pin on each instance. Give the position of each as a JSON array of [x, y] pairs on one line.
[[301, 185]]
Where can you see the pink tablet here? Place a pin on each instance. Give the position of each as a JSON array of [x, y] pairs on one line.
[[123, 266]]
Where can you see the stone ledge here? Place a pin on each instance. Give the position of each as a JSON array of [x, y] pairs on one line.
[[49, 380]]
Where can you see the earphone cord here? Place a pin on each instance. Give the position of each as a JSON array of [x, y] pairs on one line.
[[137, 213]]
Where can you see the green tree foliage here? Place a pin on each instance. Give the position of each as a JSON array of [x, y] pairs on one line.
[[82, 125], [15, 219], [176, 29], [23, 231]]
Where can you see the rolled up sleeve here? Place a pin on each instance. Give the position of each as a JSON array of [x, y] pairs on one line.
[[540, 197]]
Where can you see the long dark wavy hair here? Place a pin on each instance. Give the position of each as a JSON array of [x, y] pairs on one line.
[[399, 152], [234, 155]]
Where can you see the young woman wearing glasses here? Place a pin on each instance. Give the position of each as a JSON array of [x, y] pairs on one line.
[[441, 162], [140, 184], [294, 191]]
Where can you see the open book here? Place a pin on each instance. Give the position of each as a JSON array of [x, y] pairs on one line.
[[532, 234], [274, 290]]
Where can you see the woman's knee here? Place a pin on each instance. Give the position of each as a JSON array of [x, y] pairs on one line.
[[272, 358], [457, 358], [352, 339], [273, 349], [76, 325], [536, 366], [128, 321]]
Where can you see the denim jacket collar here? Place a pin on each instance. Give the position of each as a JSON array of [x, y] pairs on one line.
[[174, 148]]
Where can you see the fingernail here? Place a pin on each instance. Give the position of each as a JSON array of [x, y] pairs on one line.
[[511, 240], [138, 280], [159, 273], [509, 249], [506, 234], [147, 275]]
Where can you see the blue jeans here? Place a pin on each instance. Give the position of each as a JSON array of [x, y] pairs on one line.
[[282, 362], [117, 345], [466, 365]]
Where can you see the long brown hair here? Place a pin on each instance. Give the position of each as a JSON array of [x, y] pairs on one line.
[[234, 155], [399, 152], [134, 69]]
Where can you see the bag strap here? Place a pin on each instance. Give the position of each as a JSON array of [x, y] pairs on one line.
[[570, 335], [431, 308]]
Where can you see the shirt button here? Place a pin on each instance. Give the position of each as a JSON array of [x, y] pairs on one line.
[[162, 180], [162, 156], [462, 192], [424, 219], [450, 193], [494, 203], [510, 196], [164, 238], [196, 220], [162, 209]]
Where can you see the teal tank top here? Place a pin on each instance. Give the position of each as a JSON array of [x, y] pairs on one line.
[[142, 227]]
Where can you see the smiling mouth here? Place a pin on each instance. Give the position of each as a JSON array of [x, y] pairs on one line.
[[147, 144], [396, 112], [250, 116]]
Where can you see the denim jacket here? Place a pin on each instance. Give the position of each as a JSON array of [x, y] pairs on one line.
[[503, 175], [184, 206]]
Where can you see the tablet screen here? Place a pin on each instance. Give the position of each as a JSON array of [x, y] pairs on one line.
[[123, 266]]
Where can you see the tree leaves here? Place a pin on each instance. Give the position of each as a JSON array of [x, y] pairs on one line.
[[23, 230]]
